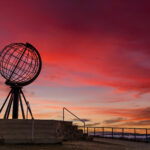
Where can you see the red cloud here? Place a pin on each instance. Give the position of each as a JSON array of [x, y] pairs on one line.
[[93, 47], [132, 114], [126, 115]]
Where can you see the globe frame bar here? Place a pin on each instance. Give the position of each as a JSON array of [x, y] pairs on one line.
[[13, 83], [16, 94], [17, 64]]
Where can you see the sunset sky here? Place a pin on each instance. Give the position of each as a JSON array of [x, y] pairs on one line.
[[95, 54]]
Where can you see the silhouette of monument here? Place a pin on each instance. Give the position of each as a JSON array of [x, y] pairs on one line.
[[20, 65]]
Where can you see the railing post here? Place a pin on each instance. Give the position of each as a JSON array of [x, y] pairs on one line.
[[94, 131], [87, 131], [122, 132], [112, 132], [146, 136], [134, 133], [103, 132]]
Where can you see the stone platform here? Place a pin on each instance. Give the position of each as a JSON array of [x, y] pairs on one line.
[[37, 131]]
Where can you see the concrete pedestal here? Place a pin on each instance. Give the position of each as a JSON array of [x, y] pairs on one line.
[[31, 131], [36, 131]]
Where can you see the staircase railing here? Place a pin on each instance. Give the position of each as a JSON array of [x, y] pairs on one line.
[[64, 108]]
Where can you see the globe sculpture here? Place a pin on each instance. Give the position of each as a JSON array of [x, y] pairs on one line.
[[20, 64]]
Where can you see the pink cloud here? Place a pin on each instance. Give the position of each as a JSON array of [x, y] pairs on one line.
[[87, 53]]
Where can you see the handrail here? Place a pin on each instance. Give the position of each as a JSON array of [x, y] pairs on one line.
[[64, 108], [118, 127], [138, 134]]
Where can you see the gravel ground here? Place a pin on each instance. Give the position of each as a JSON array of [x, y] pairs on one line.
[[83, 145]]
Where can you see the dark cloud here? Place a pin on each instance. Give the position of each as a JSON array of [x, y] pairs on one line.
[[143, 113], [86, 16], [85, 120], [99, 16], [137, 123], [132, 114], [112, 121], [93, 124], [114, 32]]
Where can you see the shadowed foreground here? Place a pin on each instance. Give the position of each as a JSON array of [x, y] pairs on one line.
[[82, 145]]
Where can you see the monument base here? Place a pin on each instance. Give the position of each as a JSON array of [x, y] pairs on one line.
[[36, 131]]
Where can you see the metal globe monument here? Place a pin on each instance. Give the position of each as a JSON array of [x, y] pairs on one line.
[[20, 65]]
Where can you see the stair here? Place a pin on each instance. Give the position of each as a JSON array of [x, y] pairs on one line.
[[71, 132]]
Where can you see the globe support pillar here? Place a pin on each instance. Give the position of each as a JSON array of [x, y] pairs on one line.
[[16, 91], [13, 101]]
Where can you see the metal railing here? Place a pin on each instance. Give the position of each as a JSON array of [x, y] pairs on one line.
[[64, 108], [137, 134]]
